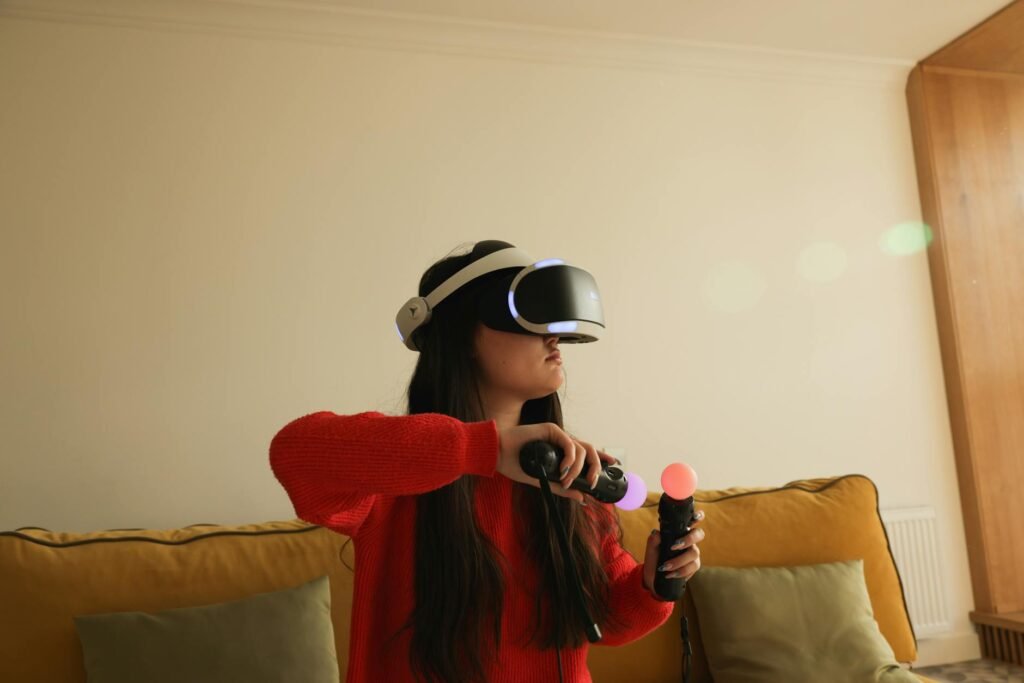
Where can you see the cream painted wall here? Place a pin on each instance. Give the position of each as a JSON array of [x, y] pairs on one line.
[[207, 235]]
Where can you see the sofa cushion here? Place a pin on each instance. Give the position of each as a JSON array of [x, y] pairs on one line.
[[805, 623], [48, 577], [803, 522], [270, 637]]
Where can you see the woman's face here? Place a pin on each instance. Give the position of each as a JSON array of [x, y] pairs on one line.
[[517, 365]]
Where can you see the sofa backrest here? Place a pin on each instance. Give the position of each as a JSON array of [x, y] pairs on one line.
[[807, 521], [47, 577]]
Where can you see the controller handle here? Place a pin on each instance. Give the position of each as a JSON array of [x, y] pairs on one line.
[[675, 517], [540, 459]]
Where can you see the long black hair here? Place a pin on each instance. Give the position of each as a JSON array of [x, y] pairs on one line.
[[459, 585]]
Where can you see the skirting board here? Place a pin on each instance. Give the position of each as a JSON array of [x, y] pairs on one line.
[[946, 649]]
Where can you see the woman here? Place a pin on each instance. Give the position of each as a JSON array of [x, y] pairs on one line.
[[458, 574]]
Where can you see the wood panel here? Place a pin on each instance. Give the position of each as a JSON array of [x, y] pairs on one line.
[[969, 147], [1001, 639], [950, 352], [995, 45]]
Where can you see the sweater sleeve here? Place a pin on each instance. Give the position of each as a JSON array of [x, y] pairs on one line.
[[637, 610], [340, 470]]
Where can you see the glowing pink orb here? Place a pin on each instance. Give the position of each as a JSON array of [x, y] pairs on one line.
[[679, 481], [636, 493]]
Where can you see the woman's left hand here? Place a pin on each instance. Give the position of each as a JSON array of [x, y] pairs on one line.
[[682, 567]]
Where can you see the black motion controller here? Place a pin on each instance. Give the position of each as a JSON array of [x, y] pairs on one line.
[[675, 518], [541, 458]]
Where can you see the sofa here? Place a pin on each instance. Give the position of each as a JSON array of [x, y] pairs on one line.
[[47, 577]]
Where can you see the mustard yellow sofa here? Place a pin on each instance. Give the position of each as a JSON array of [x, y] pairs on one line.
[[46, 577]]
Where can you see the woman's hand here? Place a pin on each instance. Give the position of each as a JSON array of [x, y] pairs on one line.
[[682, 567], [576, 455]]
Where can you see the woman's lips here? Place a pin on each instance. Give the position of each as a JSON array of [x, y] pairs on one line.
[[555, 356]]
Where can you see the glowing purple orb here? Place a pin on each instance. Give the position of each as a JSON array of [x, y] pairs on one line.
[[636, 493], [679, 481]]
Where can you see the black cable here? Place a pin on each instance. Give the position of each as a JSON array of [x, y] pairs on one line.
[[684, 632], [592, 629]]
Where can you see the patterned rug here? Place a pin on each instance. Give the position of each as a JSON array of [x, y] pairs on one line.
[[974, 671]]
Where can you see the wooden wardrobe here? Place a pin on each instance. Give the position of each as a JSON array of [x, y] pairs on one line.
[[967, 117]]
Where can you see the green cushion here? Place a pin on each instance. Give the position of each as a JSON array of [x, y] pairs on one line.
[[279, 636], [796, 624]]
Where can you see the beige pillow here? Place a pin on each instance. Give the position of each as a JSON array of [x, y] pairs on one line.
[[276, 637], [802, 624]]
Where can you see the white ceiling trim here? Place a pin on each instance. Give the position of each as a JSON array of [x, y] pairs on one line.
[[319, 22]]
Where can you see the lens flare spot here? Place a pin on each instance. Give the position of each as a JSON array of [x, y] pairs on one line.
[[822, 262], [906, 238]]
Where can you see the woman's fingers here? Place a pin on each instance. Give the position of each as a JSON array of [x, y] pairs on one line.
[[577, 465], [579, 457], [695, 536], [684, 566], [687, 563], [590, 465], [560, 490], [568, 445], [593, 464]]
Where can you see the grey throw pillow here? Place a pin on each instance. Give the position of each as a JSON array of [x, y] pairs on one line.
[[797, 624], [273, 637]]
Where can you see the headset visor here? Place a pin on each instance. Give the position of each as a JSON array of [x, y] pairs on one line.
[[551, 299]]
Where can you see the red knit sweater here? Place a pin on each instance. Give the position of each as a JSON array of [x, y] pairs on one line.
[[359, 475]]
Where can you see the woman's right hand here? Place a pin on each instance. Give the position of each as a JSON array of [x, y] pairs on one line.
[[575, 456]]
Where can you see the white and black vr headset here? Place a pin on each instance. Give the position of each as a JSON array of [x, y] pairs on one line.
[[534, 297]]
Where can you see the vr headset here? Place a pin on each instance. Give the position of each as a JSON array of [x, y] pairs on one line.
[[533, 297]]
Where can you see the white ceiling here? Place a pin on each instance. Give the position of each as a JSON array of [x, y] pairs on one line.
[[884, 29]]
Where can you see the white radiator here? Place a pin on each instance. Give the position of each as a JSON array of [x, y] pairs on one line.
[[914, 543]]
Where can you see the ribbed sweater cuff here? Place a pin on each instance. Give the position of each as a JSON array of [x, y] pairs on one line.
[[481, 447]]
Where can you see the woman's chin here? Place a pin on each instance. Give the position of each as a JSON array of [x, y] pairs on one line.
[[549, 389]]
